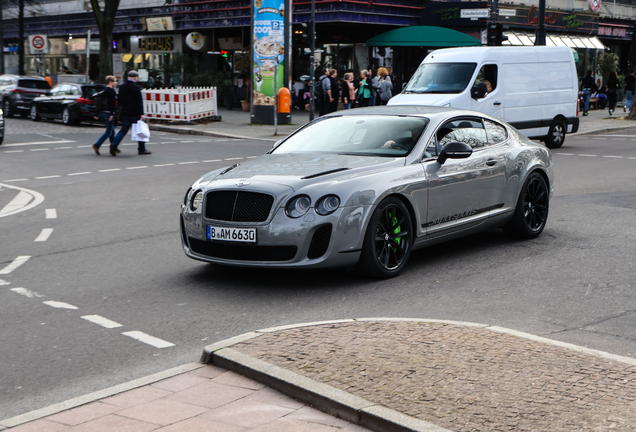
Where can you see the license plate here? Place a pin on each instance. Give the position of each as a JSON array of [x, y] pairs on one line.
[[245, 235]]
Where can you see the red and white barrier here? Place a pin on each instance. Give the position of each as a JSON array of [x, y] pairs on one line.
[[180, 104]]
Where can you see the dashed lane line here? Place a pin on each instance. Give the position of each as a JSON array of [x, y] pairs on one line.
[[137, 167], [15, 264], [59, 305], [147, 339], [51, 213], [44, 235], [613, 157], [164, 165], [187, 163], [212, 160], [13, 151], [79, 173], [42, 149], [588, 155], [47, 177], [104, 322], [15, 180], [38, 143], [27, 293], [566, 154], [109, 170], [234, 158], [4, 282]]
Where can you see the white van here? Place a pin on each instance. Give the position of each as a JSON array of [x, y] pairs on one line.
[[535, 89]]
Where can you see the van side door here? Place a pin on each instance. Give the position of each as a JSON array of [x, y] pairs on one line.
[[492, 103]]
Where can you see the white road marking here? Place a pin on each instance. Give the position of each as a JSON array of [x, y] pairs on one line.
[[4, 282], [27, 293], [212, 160], [600, 139], [138, 167], [51, 213], [62, 148], [38, 198], [79, 173], [15, 264], [566, 154], [13, 151], [163, 165], [147, 339], [588, 155], [619, 139], [628, 136], [85, 146], [19, 201], [14, 180], [186, 163], [168, 142], [185, 141], [110, 170], [47, 177], [44, 235], [59, 305], [251, 157], [42, 149], [631, 157], [39, 143], [104, 322], [615, 157], [236, 158]]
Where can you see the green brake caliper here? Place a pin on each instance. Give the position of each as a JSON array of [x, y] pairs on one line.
[[397, 230]]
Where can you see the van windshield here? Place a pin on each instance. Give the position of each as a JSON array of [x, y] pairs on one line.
[[441, 78]]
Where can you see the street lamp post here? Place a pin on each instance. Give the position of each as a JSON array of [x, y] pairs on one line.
[[540, 38], [312, 75]]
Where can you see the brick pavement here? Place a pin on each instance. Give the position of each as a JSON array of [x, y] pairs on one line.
[[460, 378]]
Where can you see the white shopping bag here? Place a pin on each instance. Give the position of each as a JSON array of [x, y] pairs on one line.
[[140, 132]]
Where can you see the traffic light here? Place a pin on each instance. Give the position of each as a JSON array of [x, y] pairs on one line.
[[224, 53], [495, 34]]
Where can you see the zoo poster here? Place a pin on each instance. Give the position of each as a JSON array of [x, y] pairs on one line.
[[270, 20]]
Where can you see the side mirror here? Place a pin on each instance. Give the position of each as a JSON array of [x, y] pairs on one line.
[[454, 150], [479, 91]]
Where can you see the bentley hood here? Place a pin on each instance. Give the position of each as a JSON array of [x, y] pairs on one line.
[[299, 170]]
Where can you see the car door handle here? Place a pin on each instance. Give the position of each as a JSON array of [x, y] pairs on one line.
[[491, 162], [497, 103]]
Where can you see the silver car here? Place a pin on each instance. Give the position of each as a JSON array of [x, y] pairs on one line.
[[365, 187]]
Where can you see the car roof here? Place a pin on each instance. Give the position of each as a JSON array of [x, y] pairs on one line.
[[408, 110], [24, 77]]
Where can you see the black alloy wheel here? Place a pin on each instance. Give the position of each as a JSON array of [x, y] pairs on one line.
[[6, 107], [66, 117], [556, 134], [388, 240], [531, 213], [34, 113]]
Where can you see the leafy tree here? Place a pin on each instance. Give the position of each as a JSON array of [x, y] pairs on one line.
[[106, 23], [607, 63]]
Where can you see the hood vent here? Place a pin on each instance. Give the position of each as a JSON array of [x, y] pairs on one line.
[[324, 173], [229, 169]]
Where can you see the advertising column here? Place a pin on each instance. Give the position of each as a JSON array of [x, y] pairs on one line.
[[269, 24]]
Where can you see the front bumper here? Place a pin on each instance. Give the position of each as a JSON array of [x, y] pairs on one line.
[[292, 240]]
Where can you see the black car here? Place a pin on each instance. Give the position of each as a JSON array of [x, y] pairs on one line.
[[18, 92], [72, 103]]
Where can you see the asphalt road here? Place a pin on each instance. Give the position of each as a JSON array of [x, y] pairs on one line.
[[109, 255]]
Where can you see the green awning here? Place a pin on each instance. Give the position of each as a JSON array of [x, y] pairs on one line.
[[424, 36]]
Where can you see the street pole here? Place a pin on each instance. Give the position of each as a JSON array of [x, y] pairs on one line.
[[1, 39], [540, 38], [494, 11], [312, 72], [20, 37], [88, 55], [276, 96]]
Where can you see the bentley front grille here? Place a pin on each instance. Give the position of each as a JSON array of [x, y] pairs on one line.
[[238, 206]]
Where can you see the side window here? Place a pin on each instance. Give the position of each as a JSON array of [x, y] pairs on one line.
[[470, 132], [64, 89], [56, 91], [75, 91], [496, 132], [488, 74], [431, 147]]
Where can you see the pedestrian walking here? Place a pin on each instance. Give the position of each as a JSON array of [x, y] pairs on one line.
[[630, 87], [106, 104], [348, 91], [325, 84], [132, 110], [612, 87], [364, 92], [385, 87], [335, 90], [372, 79], [588, 86]]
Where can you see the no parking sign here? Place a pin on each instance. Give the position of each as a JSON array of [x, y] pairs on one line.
[[38, 44]]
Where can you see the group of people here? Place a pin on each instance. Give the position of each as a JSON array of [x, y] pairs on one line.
[[372, 88], [607, 95], [131, 106]]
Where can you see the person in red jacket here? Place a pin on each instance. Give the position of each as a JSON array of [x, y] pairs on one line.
[[132, 110]]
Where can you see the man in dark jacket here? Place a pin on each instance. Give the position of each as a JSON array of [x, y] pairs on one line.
[[132, 110], [588, 86], [107, 112]]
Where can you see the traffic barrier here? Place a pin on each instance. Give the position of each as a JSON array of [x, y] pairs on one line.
[[184, 104]]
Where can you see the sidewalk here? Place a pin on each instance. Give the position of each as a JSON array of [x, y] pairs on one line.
[[384, 374], [236, 124]]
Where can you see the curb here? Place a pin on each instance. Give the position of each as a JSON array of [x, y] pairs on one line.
[[340, 403], [187, 131], [598, 131], [95, 396]]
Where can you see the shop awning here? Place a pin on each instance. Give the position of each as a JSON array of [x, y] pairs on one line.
[[519, 38], [423, 36]]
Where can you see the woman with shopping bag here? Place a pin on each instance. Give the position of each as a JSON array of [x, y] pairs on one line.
[[132, 111]]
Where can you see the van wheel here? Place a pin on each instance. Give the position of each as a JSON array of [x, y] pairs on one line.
[[556, 134]]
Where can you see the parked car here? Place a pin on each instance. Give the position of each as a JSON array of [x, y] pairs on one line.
[[535, 87], [18, 92], [365, 187], [72, 103]]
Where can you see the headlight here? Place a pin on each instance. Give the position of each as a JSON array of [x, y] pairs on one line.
[[1, 112], [327, 205], [187, 196], [197, 199], [298, 206]]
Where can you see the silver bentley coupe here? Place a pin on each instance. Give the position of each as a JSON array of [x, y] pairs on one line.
[[365, 187]]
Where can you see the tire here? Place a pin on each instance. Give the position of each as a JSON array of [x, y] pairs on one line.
[[556, 135], [385, 251], [66, 117], [6, 107], [531, 212], [34, 113]]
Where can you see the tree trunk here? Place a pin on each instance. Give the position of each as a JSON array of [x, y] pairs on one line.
[[106, 23], [632, 113]]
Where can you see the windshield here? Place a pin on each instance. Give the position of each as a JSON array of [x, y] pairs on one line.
[[441, 78], [370, 135], [34, 84]]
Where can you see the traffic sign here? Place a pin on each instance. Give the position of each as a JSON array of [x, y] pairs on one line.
[[39, 44]]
